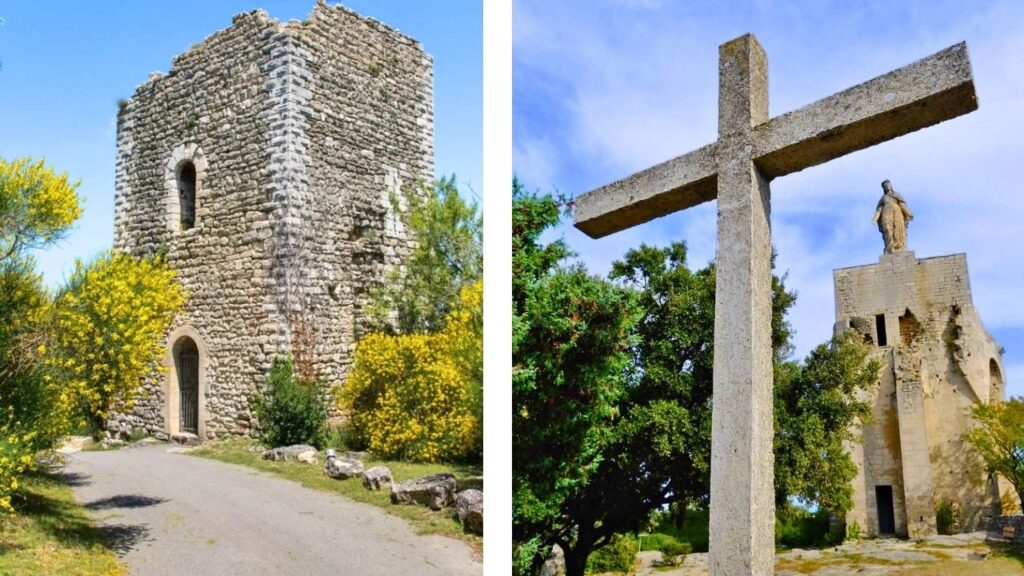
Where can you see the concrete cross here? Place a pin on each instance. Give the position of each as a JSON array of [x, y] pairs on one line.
[[752, 150]]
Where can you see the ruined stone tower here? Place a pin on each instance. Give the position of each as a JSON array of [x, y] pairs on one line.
[[938, 360], [262, 164]]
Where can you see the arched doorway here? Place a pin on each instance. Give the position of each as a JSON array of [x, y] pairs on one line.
[[186, 360], [185, 384]]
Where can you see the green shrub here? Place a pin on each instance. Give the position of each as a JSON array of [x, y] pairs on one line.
[[292, 410], [944, 517], [796, 528], [689, 527], [669, 545], [619, 555]]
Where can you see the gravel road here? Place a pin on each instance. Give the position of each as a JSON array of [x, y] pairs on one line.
[[168, 514]]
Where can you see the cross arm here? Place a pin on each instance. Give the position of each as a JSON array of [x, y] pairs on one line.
[[659, 190], [916, 96]]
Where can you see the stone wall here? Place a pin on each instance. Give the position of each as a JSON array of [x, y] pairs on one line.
[[997, 523], [938, 361], [298, 132]]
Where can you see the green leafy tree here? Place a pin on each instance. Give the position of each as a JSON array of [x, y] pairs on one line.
[[818, 406], [570, 347], [446, 258], [656, 452], [999, 438]]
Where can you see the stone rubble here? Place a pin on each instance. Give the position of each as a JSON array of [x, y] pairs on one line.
[[469, 508], [341, 468], [297, 453], [435, 491], [377, 478]]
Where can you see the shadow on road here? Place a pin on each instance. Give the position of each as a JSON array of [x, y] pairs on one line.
[[124, 501], [75, 479], [122, 538], [65, 521]]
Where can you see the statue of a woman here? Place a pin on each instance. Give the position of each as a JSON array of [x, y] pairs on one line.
[[892, 216]]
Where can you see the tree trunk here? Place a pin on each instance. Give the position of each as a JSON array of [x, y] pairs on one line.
[[575, 560]]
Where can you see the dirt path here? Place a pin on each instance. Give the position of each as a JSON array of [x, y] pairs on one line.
[[170, 514]]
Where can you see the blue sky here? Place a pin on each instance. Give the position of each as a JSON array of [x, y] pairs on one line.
[[66, 64], [602, 88]]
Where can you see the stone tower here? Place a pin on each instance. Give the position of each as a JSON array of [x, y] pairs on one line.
[[938, 360], [262, 164]]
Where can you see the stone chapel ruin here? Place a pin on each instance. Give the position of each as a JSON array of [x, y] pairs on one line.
[[263, 164], [938, 360]]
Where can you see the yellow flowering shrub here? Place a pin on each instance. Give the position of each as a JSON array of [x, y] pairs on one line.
[[418, 396], [109, 325], [37, 205], [29, 413]]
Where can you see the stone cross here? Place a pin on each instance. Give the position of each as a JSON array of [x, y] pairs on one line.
[[752, 150]]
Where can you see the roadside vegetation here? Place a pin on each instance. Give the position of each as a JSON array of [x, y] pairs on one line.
[[52, 534], [67, 357], [423, 519]]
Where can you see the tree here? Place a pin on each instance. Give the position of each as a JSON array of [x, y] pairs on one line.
[[108, 327], [817, 408], [570, 347], [446, 257], [37, 206], [999, 438], [656, 451]]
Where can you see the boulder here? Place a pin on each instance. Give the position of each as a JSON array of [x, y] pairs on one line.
[[343, 468], [186, 439], [111, 443], [74, 444], [377, 478], [296, 453], [435, 491], [555, 564], [469, 506]]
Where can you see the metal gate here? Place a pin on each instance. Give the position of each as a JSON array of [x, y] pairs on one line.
[[188, 384]]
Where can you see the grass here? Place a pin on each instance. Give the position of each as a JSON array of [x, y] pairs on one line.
[[422, 519], [51, 534]]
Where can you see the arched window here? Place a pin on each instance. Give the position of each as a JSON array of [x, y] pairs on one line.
[[995, 382], [187, 194]]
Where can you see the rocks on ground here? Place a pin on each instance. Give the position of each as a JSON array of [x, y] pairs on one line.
[[469, 507], [377, 478], [555, 564], [295, 453], [343, 468], [74, 444], [436, 491], [186, 438]]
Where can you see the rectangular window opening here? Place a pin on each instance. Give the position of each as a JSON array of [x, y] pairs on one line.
[[880, 329]]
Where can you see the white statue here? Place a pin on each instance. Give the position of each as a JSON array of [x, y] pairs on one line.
[[892, 216]]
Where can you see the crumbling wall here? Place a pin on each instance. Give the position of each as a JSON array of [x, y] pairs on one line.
[[940, 368]]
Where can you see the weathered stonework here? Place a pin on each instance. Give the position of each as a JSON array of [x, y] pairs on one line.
[[298, 134], [938, 360]]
